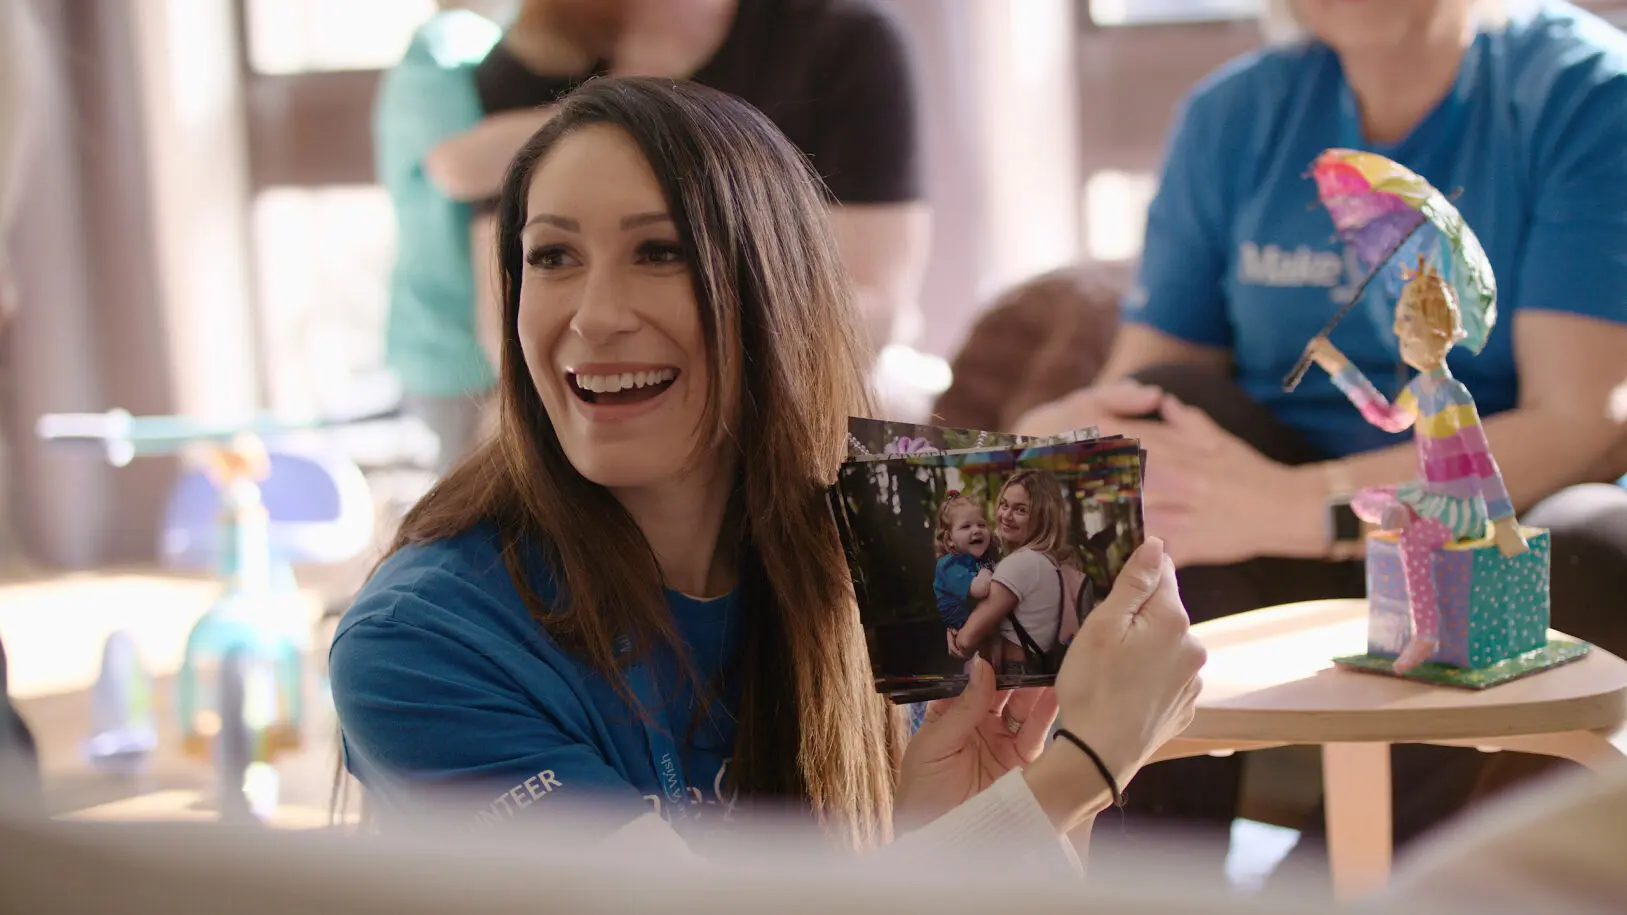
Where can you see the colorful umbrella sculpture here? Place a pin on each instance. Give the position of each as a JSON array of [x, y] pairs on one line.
[[1386, 213]]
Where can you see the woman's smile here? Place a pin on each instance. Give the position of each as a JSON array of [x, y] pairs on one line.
[[617, 391]]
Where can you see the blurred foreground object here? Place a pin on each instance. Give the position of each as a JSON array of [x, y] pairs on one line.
[[1557, 850], [248, 513]]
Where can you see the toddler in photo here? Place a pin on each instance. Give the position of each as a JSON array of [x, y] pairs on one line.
[[966, 555]]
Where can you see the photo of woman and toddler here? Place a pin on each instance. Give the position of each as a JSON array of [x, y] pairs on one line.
[[1016, 593]]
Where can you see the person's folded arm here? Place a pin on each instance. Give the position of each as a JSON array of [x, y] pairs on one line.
[[470, 164], [1570, 318], [420, 105]]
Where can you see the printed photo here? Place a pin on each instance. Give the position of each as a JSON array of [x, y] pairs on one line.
[[996, 552]]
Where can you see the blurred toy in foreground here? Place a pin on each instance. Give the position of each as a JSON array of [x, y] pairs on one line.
[[1452, 578], [248, 513]]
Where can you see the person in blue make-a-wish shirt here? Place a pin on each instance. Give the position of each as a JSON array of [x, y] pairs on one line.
[[634, 601], [1518, 107]]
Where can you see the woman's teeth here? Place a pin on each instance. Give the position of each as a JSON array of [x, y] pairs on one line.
[[610, 384]]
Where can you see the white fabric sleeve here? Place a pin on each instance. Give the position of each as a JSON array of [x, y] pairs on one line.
[[1024, 572], [1005, 820]]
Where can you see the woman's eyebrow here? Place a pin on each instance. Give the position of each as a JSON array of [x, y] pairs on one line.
[[568, 224], [558, 222], [644, 219]]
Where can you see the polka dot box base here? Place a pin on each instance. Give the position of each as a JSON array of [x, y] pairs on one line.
[[1552, 654], [1492, 608]]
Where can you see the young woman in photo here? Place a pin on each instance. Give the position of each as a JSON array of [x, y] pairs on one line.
[[1031, 520]]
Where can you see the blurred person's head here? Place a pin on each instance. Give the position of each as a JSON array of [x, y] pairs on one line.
[[1369, 26], [597, 25], [677, 327]]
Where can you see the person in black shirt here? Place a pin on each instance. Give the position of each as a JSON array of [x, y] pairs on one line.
[[836, 76]]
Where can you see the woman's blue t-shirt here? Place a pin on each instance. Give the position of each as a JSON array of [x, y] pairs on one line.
[[1240, 255], [449, 692]]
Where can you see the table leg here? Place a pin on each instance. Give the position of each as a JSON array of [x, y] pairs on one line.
[[1356, 790]]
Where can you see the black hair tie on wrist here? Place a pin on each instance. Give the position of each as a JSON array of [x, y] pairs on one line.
[[1107, 775]]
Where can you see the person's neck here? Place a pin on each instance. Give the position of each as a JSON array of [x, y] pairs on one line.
[[678, 48], [1395, 89], [535, 40], [683, 523]]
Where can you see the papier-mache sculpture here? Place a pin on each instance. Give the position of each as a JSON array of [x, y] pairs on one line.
[[1457, 588]]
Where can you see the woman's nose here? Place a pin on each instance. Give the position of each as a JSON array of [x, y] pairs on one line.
[[603, 310]]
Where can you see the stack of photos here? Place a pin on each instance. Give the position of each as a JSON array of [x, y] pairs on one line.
[[964, 543]]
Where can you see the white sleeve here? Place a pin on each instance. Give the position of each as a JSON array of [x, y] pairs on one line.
[[1024, 572], [1004, 819]]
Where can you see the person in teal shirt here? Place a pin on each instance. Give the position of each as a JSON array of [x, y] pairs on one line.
[[431, 343]]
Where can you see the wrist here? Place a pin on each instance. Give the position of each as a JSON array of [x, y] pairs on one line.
[[1067, 786], [1305, 512]]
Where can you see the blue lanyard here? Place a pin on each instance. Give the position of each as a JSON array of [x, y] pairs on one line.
[[669, 766]]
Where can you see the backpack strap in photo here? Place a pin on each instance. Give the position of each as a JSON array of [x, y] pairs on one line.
[[1030, 647], [1049, 661]]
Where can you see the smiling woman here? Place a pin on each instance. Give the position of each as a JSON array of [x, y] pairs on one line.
[[608, 317], [633, 599]]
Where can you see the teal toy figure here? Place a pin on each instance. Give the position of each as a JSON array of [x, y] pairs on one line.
[[248, 514], [1457, 588], [239, 695]]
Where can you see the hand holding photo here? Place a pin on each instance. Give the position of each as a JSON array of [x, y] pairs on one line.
[[998, 552]]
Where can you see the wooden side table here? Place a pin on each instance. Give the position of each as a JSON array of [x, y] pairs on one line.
[[1271, 682]]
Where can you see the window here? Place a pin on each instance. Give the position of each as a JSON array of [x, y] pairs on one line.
[[308, 36], [323, 233], [322, 258], [1114, 214]]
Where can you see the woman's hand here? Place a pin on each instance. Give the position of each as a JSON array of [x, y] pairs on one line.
[[1128, 684], [968, 742], [954, 646], [1214, 499]]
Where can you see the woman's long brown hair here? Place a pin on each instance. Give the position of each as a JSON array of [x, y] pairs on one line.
[[788, 364]]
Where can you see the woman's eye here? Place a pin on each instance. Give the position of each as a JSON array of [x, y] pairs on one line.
[[547, 257], [660, 252]]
